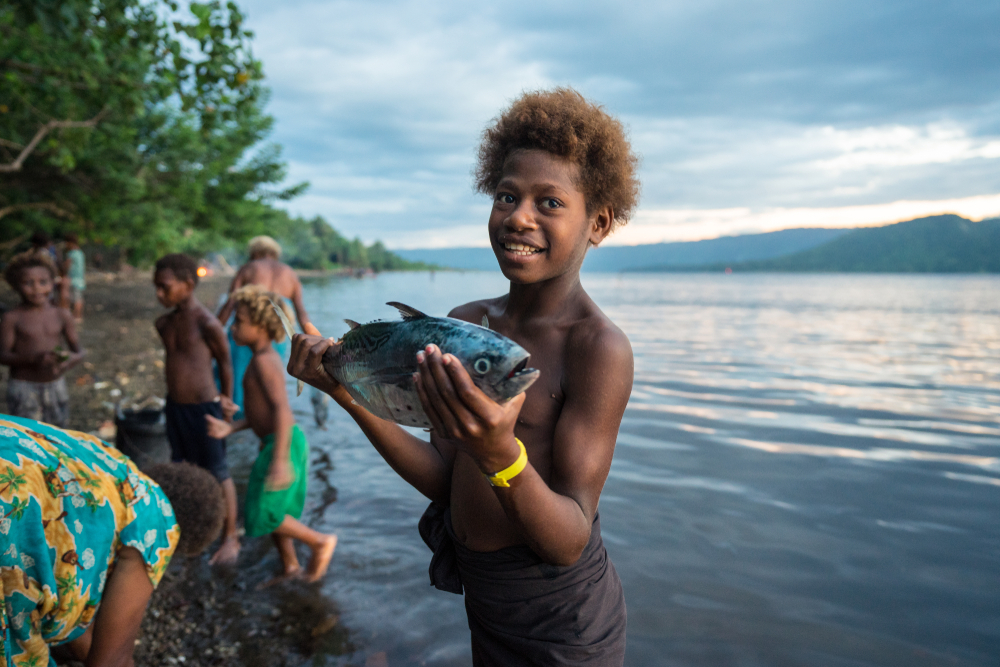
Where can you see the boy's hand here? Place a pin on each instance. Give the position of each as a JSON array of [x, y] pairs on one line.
[[306, 361], [229, 408], [279, 476], [48, 361], [460, 411], [217, 428]]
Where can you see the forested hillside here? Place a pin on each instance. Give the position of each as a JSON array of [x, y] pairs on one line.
[[937, 244]]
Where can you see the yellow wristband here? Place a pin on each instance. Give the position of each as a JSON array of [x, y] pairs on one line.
[[503, 477]]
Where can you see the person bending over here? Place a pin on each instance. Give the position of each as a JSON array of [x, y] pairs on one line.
[[87, 538], [515, 487]]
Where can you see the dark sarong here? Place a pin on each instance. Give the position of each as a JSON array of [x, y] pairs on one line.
[[523, 611]]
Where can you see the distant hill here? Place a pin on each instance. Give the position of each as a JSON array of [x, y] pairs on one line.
[[473, 259], [937, 244], [728, 249]]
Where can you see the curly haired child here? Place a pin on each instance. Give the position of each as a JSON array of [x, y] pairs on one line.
[[515, 487], [30, 342], [276, 490]]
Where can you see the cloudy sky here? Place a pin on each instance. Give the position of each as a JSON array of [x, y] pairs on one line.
[[749, 115]]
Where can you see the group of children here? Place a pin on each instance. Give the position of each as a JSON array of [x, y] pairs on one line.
[[198, 411], [514, 488]]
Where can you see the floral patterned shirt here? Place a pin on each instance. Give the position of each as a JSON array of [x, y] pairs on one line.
[[68, 503]]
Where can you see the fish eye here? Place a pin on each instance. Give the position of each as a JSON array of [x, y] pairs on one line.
[[482, 365]]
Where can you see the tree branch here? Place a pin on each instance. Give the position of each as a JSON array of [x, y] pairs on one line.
[[38, 206], [42, 131]]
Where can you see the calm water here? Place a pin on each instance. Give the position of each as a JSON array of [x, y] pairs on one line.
[[808, 473]]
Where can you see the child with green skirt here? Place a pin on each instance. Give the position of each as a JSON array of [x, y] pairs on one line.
[[276, 492]]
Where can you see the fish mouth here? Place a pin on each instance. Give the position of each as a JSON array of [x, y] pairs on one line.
[[518, 380], [519, 368]]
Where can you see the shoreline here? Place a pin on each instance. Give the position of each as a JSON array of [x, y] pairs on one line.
[[198, 615]]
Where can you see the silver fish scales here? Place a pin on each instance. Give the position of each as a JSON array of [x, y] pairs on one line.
[[376, 361]]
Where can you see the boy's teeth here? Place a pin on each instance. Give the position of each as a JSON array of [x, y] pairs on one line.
[[520, 249]]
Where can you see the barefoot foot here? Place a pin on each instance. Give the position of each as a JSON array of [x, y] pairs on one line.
[[228, 552], [320, 560], [288, 575]]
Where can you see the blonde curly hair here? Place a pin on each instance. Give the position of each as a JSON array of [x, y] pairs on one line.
[[257, 301], [263, 246]]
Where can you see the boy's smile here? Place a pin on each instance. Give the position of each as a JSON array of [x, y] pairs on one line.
[[36, 285], [539, 226]]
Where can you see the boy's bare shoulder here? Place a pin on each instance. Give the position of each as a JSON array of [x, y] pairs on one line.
[[205, 318], [268, 365], [65, 316], [596, 342], [474, 310], [163, 321]]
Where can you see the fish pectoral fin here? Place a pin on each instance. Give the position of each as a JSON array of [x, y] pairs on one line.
[[354, 325], [407, 312], [285, 322]]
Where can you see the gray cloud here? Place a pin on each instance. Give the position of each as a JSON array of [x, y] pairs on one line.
[[731, 103]]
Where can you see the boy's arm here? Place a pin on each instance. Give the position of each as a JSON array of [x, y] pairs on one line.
[[227, 307], [425, 465], [215, 338], [122, 607], [8, 334], [555, 518], [77, 353], [300, 309], [218, 428], [272, 381]]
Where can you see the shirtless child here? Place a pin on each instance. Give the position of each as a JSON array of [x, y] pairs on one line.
[[30, 342], [526, 544], [276, 490], [264, 269], [193, 337]]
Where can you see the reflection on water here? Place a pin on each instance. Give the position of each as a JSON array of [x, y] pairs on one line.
[[815, 461]]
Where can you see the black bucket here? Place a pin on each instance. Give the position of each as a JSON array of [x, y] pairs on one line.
[[142, 436]]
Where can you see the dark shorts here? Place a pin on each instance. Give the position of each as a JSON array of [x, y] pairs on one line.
[[524, 612], [189, 439]]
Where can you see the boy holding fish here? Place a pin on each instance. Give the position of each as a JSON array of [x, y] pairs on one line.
[[515, 485], [31, 337], [276, 490]]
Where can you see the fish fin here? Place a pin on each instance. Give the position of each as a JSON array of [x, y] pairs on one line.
[[354, 325], [486, 322], [407, 312], [285, 322]]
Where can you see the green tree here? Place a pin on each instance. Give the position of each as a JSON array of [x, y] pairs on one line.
[[133, 129]]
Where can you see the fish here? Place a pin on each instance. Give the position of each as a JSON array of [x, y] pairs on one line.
[[375, 362]]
